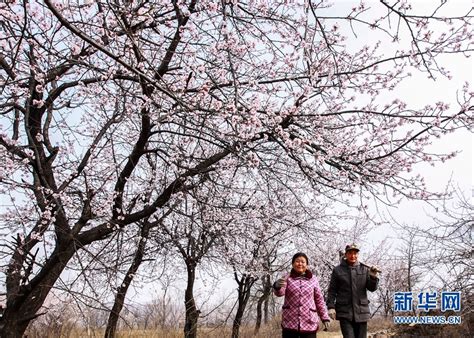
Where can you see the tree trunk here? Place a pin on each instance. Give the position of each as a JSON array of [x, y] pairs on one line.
[[245, 285], [111, 329], [266, 315], [22, 307], [192, 314], [164, 311], [258, 321], [12, 328], [263, 301]]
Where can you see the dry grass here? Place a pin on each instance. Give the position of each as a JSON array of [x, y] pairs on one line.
[[210, 333], [377, 328], [268, 331]]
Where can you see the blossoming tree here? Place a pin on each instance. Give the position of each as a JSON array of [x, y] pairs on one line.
[[109, 109]]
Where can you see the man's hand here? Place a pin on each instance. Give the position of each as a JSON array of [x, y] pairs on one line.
[[373, 272], [281, 282], [326, 324], [332, 314]]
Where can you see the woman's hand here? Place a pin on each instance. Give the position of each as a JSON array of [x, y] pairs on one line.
[[281, 282]]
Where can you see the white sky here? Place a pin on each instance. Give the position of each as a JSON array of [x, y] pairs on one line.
[[459, 169]]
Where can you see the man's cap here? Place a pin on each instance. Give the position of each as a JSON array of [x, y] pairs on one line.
[[352, 246]]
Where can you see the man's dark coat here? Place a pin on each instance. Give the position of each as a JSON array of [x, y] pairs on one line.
[[348, 292]]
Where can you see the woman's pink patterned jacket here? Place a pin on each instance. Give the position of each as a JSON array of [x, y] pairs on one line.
[[304, 303]]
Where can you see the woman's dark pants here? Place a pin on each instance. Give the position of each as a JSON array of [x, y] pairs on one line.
[[295, 334]]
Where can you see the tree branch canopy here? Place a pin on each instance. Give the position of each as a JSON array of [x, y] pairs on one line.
[[112, 112]]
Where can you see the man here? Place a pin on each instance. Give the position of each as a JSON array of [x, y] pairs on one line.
[[347, 294]]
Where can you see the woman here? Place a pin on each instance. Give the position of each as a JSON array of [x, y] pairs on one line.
[[304, 303]]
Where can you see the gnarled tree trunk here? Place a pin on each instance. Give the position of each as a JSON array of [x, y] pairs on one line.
[[192, 313], [245, 285], [23, 306], [111, 328], [263, 302]]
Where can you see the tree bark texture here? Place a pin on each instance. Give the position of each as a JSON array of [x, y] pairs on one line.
[[245, 285], [192, 313], [114, 314]]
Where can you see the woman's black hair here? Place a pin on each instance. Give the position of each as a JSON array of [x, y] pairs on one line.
[[299, 254]]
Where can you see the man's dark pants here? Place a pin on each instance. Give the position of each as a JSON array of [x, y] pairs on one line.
[[352, 329]]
